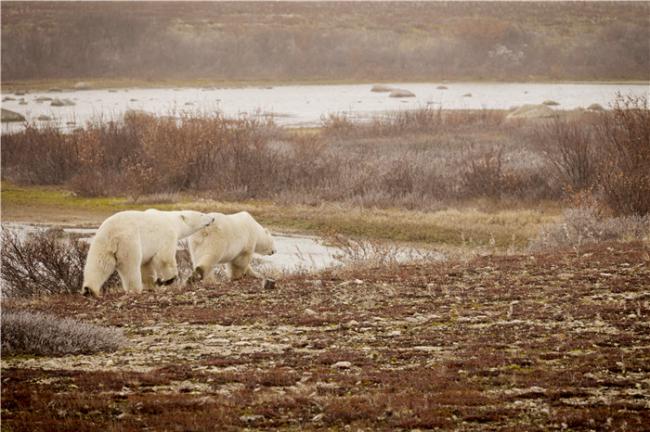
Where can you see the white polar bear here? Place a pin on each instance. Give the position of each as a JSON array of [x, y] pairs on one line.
[[141, 246], [230, 239]]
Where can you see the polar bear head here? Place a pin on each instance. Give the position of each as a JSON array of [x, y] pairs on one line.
[[265, 244], [191, 221]]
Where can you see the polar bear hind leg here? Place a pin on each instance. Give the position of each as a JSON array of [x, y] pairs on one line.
[[100, 264], [129, 260]]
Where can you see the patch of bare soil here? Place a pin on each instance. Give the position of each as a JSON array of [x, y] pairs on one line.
[[546, 342]]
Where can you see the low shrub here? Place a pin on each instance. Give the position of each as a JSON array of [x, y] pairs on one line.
[[584, 225], [46, 262], [48, 335], [625, 177]]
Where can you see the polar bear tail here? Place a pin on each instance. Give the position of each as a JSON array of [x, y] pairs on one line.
[[100, 264]]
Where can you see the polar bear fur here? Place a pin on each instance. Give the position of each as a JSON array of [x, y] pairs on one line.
[[141, 246], [231, 239]]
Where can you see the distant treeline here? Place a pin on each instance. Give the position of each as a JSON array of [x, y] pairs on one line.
[[326, 41]]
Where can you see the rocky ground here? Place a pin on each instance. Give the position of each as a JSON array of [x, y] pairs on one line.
[[556, 341]]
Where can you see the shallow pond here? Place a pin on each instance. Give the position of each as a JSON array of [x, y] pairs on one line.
[[302, 105]]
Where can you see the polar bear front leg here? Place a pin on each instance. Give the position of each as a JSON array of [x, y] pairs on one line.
[[164, 264], [241, 266], [203, 268]]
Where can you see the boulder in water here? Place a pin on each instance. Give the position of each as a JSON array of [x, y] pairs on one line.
[[595, 107], [401, 93], [10, 116]]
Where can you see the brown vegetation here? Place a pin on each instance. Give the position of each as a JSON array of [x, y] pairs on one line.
[[548, 341], [410, 159], [331, 41]]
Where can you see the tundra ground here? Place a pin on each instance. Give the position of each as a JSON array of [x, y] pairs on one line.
[[553, 341]]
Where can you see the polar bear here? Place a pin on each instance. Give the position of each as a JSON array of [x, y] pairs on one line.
[[231, 239], [141, 246]]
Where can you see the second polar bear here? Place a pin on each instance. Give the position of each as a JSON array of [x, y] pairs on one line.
[[141, 246], [231, 239]]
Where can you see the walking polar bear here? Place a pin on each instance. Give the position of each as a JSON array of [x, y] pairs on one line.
[[231, 239], [141, 246]]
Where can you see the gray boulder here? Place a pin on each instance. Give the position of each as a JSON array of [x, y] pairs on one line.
[[401, 93], [10, 116]]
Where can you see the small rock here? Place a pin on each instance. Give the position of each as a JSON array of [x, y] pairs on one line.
[[8, 98], [55, 90], [442, 87], [351, 323], [10, 116], [41, 99], [400, 93], [20, 93], [268, 283], [395, 333], [251, 418], [318, 417], [310, 312], [467, 95], [43, 117], [595, 107], [550, 103], [342, 365]]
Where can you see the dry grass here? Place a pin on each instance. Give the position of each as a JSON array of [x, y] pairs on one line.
[[580, 227]]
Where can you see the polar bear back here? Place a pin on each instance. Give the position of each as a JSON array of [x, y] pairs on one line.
[[150, 230]]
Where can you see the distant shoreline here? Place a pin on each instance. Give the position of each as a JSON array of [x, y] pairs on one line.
[[119, 83]]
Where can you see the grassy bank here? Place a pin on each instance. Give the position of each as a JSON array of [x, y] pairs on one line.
[[478, 223]]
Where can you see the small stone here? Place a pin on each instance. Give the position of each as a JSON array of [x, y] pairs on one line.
[[251, 418], [310, 312], [395, 333], [268, 283], [318, 417], [342, 365]]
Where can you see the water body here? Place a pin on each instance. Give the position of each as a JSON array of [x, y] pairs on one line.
[[304, 105]]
